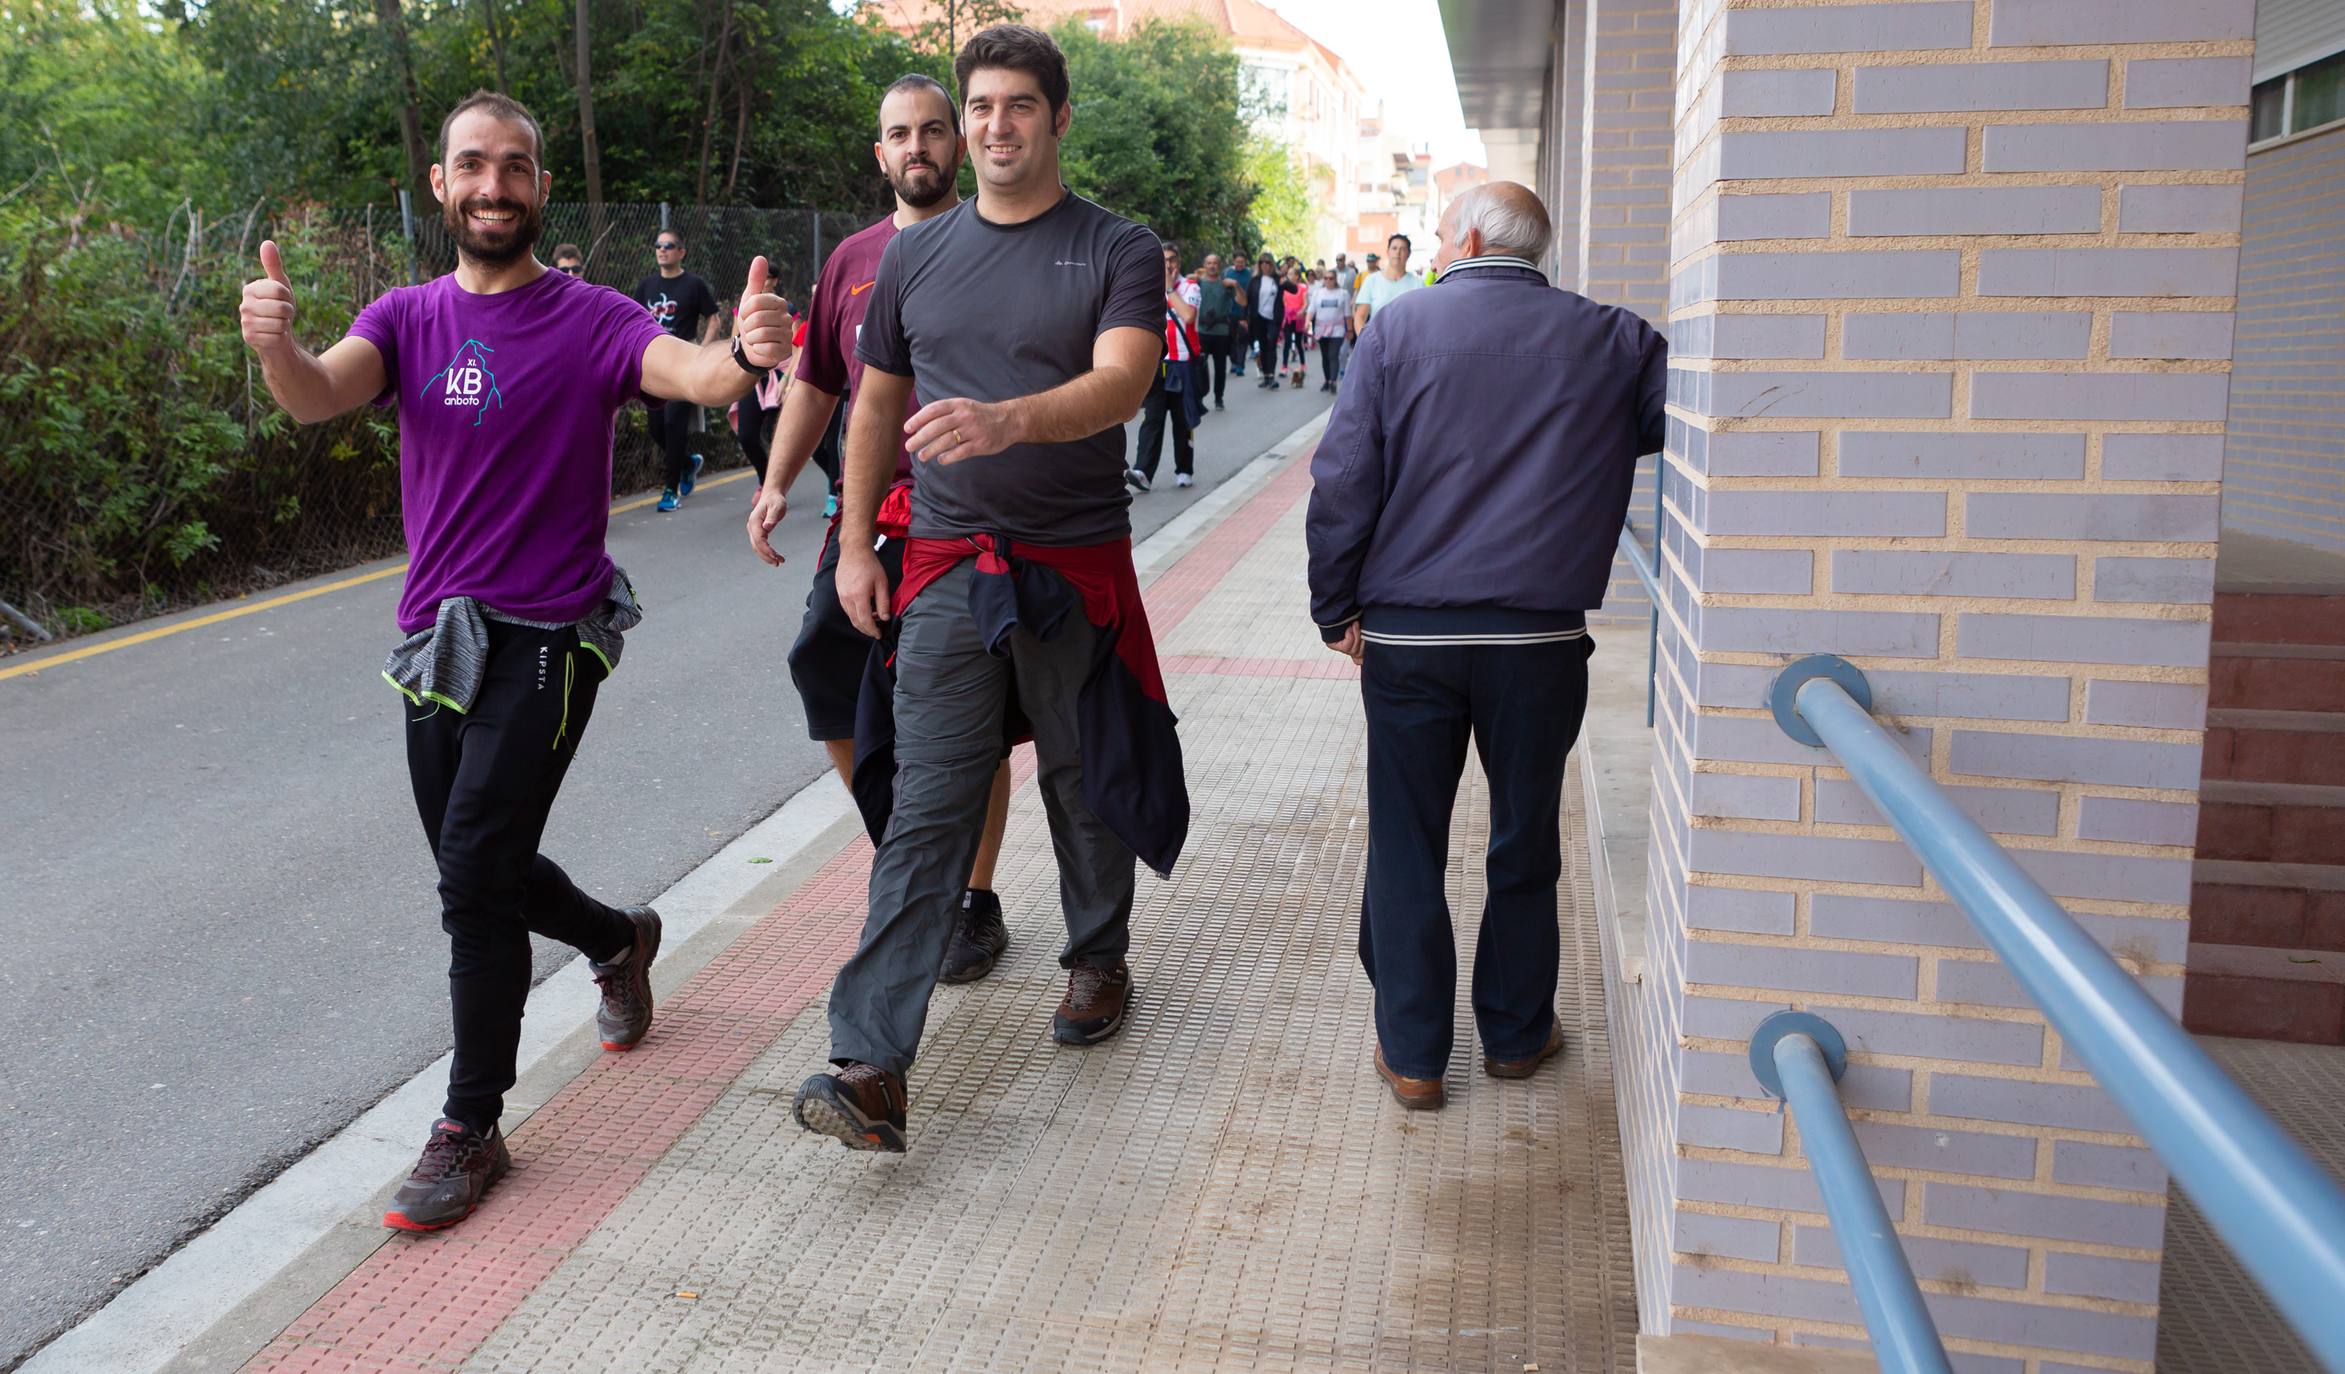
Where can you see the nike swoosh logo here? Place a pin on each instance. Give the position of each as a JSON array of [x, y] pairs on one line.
[[859, 290]]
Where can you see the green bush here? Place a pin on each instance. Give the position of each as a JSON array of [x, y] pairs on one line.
[[142, 464]]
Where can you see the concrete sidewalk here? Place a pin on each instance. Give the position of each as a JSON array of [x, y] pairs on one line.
[[1224, 1186]]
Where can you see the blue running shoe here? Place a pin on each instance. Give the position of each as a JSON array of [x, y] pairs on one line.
[[668, 498], [692, 478]]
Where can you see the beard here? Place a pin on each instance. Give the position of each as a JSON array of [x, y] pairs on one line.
[[920, 194], [528, 223]]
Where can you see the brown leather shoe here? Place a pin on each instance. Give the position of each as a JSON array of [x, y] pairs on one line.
[[1524, 1068], [861, 1106], [1416, 1094], [1097, 998]]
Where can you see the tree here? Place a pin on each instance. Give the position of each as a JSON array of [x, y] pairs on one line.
[[1157, 134], [488, 18], [588, 152], [419, 159], [1281, 216]]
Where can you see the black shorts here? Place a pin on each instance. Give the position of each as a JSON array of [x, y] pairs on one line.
[[828, 660]]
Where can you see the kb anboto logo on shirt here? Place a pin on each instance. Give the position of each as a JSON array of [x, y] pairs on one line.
[[467, 381]]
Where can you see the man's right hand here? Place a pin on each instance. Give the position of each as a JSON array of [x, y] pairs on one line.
[[765, 513], [267, 311], [863, 588]]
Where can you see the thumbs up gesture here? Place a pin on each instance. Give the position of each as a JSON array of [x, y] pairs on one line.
[[267, 312], [764, 325]]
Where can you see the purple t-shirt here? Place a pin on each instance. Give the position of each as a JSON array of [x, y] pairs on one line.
[[505, 411]]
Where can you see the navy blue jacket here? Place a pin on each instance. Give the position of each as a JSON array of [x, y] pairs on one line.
[[1476, 471]]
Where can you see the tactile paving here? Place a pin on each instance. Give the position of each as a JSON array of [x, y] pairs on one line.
[[2213, 1319], [1225, 1186]]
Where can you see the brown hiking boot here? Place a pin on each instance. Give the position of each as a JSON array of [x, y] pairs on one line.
[[862, 1106], [1416, 1094], [625, 1012], [1524, 1068], [1094, 1007]]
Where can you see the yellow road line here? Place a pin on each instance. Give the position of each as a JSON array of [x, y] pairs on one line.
[[144, 636], [641, 501]]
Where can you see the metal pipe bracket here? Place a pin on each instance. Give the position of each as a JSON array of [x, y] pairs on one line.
[[1783, 692], [1789, 1023]]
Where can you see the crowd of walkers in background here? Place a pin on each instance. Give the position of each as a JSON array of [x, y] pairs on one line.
[[1277, 310]]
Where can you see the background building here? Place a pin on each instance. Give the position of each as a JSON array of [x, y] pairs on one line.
[[1305, 95]]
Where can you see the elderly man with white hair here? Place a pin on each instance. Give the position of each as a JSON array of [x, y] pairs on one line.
[[1467, 497]]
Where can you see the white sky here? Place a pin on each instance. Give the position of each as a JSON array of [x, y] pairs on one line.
[[1400, 51]]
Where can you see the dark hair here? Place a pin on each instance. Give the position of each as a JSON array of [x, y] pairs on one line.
[[1020, 49], [1402, 240], [921, 81], [501, 106], [567, 250], [676, 234]]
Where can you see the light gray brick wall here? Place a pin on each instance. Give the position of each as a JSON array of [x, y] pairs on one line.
[[1940, 405]]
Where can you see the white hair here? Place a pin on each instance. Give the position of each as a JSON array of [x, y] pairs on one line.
[[1509, 228]]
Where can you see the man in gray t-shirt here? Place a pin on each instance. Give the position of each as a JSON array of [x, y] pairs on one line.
[[991, 312], [1029, 322]]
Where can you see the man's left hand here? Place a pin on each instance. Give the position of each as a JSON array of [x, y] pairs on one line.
[[764, 326], [1351, 646], [950, 430]]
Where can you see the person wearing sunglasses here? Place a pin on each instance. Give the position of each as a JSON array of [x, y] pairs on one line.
[[568, 260], [682, 303]]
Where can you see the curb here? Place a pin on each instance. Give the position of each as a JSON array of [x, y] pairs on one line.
[[222, 1296]]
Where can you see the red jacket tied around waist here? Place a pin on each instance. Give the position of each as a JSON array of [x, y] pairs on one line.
[[1131, 752]]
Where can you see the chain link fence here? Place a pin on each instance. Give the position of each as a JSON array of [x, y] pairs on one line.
[[143, 467]]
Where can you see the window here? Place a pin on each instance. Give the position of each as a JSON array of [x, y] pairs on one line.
[[2267, 110], [2307, 98], [2317, 92]]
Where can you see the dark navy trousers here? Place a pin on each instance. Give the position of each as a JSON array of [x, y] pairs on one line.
[[1520, 706]]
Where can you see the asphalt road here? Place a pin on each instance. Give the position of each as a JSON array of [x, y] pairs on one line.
[[222, 938]]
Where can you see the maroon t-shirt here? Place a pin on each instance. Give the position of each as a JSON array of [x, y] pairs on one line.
[[841, 294]]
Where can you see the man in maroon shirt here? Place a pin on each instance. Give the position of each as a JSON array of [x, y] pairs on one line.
[[919, 151]]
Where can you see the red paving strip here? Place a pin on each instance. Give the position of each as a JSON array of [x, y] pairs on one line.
[[1172, 596], [424, 1304], [1329, 667], [427, 1302]]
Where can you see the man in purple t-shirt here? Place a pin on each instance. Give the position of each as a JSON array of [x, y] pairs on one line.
[[507, 377], [919, 149]]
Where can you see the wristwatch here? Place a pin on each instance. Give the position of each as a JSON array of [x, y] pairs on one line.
[[741, 358]]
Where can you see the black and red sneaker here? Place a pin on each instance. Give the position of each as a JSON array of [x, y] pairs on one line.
[[861, 1106], [456, 1169], [625, 1012]]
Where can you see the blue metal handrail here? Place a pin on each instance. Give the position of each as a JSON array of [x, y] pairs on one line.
[[1634, 550], [2278, 1211], [1643, 565], [1800, 1058], [1647, 570]]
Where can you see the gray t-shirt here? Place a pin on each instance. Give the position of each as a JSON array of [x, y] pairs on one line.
[[993, 311]]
